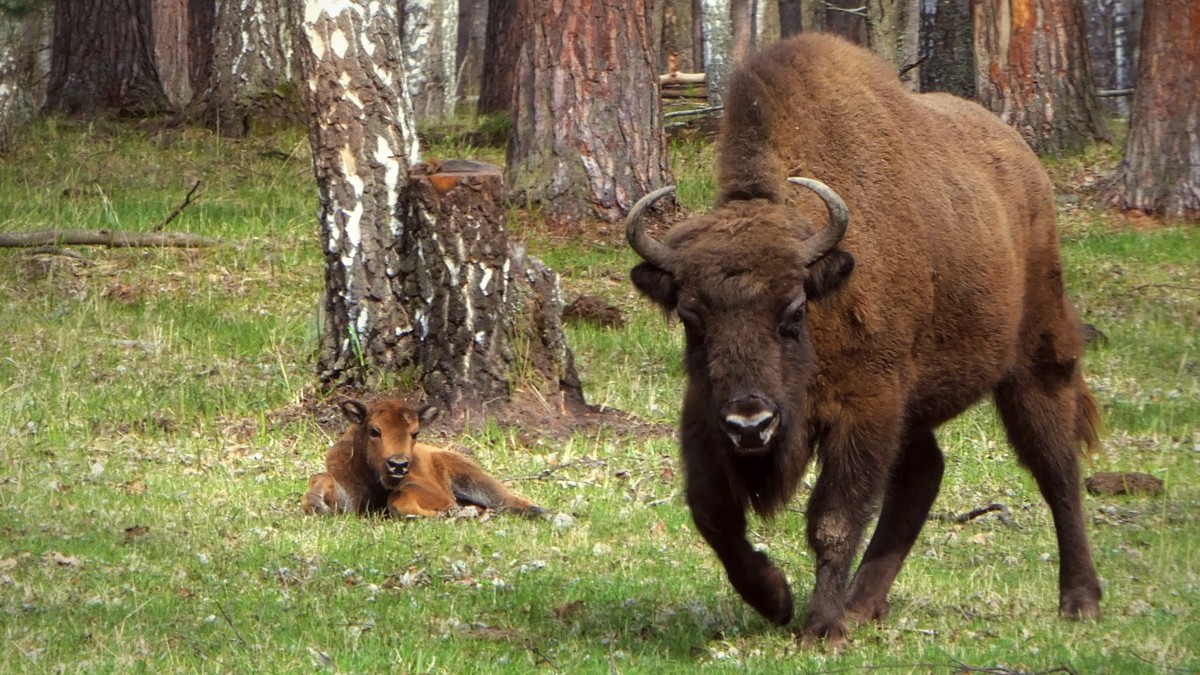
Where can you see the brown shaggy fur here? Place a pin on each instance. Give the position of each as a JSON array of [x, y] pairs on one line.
[[946, 287], [378, 465]]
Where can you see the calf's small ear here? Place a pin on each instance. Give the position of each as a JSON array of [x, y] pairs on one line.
[[354, 411], [656, 284], [428, 413], [828, 273]]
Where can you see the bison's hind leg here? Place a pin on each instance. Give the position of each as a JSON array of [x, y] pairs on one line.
[[912, 487], [1048, 413]]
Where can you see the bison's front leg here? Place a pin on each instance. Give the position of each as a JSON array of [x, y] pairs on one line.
[[326, 496], [721, 520], [852, 475]]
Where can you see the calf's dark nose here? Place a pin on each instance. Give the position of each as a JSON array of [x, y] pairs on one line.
[[397, 466], [750, 421]]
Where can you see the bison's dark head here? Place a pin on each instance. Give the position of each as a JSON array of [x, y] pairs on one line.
[[741, 280]]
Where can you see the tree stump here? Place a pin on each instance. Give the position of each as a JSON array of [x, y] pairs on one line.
[[487, 319]]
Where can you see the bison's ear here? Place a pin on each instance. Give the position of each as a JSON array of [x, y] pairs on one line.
[[656, 284], [828, 273], [428, 413], [354, 411]]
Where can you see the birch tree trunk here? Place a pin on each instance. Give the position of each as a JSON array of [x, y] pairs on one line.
[[250, 80], [363, 144], [1032, 70], [23, 73], [430, 47], [1160, 172], [718, 48], [587, 135]]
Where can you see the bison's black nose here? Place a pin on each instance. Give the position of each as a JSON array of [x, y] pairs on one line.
[[750, 422], [397, 467]]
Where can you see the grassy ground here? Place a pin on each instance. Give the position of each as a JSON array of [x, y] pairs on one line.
[[153, 459]]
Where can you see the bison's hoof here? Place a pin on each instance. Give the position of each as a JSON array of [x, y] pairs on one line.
[[314, 505], [868, 610], [768, 593], [1080, 604], [830, 634]]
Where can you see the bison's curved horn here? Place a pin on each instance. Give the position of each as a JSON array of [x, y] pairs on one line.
[[652, 251], [839, 216]]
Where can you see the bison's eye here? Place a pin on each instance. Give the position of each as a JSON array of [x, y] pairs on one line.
[[792, 325], [415, 432], [374, 431]]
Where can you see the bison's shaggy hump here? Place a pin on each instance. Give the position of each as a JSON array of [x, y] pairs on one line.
[[859, 337]]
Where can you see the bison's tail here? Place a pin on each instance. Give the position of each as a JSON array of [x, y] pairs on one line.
[[1087, 422]]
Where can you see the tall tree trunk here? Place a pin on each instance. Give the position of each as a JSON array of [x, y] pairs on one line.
[[790, 18], [718, 48], [472, 36], [698, 35], [947, 47], [1160, 172], [503, 45], [587, 126], [170, 20], [766, 23], [103, 60], [363, 144], [430, 36], [677, 37], [23, 37], [1032, 70], [202, 25], [892, 32], [1108, 29], [250, 82], [741, 30], [847, 18]]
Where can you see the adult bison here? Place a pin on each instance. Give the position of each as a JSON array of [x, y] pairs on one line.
[[935, 281]]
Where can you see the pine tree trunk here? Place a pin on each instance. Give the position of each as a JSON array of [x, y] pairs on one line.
[[171, 49], [1160, 172], [487, 319], [847, 18], [505, 36], [1032, 70], [677, 37], [430, 38], [250, 83], [103, 60], [202, 25], [363, 144], [790, 19], [587, 126], [946, 44], [741, 30]]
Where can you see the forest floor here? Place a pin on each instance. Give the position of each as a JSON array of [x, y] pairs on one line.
[[159, 419]]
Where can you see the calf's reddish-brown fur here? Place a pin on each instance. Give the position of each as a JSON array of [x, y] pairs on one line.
[[378, 465], [946, 287]]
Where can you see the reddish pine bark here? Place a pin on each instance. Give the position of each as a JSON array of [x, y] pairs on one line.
[[587, 135], [502, 45], [1032, 70], [1160, 172]]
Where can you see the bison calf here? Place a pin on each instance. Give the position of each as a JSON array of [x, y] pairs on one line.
[[378, 465], [926, 277]]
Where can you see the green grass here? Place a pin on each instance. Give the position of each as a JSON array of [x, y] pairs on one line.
[[153, 452]]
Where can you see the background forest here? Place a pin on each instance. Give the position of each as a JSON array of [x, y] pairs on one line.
[[176, 304]]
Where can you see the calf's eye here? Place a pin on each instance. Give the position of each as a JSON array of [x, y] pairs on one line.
[[375, 432]]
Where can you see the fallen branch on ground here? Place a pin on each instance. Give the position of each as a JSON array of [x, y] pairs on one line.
[[105, 238], [178, 209], [1003, 515]]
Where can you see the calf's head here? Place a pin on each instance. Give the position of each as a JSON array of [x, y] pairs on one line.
[[741, 280], [386, 431]]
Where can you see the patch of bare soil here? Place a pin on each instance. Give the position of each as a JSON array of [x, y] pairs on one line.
[[1131, 483]]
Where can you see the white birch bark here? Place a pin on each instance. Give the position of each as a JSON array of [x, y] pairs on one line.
[[364, 144], [718, 38], [431, 41]]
